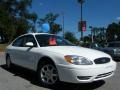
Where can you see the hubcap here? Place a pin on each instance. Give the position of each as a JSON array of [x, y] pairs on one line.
[[49, 74]]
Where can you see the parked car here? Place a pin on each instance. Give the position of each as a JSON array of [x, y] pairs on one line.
[[113, 48], [56, 59], [93, 46], [2, 39]]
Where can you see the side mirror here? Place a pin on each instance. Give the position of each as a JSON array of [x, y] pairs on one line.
[[29, 44]]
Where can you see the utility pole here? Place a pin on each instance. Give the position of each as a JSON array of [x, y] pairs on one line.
[[63, 24], [81, 3], [91, 33]]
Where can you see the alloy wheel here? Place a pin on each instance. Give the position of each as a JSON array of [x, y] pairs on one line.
[[49, 74]]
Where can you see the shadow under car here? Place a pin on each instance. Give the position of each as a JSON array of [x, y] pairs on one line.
[[32, 78]]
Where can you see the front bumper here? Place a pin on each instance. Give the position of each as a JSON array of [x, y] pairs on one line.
[[85, 74]]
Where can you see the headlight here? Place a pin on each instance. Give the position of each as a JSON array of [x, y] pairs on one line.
[[116, 51], [77, 60]]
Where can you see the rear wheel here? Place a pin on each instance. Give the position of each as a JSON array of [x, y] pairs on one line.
[[48, 75], [8, 62]]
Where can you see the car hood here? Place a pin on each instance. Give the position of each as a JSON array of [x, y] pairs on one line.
[[75, 50]]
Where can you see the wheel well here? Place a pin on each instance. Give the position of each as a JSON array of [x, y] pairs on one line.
[[45, 60]]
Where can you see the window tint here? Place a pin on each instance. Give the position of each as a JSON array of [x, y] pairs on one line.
[[18, 42], [42, 40], [117, 44], [52, 40], [114, 45], [29, 38], [111, 45]]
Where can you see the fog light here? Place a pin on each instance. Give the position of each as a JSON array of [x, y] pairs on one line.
[[84, 77]]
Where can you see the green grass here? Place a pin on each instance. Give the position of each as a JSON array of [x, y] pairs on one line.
[[2, 47]]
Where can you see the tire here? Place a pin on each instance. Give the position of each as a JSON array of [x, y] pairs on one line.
[[48, 75], [8, 62]]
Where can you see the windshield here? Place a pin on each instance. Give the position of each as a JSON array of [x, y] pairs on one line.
[[52, 40]]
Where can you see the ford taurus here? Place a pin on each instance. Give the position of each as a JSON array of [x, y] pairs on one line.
[[56, 59]]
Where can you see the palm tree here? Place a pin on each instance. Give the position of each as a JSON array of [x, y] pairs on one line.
[[81, 1], [71, 37]]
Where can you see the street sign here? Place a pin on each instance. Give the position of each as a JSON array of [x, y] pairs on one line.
[[82, 26]]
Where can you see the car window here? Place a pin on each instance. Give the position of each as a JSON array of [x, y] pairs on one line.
[[52, 40], [29, 38], [114, 45], [18, 42], [117, 45], [111, 45]]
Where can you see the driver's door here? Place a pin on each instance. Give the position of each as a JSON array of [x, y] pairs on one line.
[[27, 53]]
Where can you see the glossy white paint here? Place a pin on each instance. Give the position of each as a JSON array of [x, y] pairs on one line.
[[29, 57]]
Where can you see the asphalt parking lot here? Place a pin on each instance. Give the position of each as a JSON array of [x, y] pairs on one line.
[[20, 79]]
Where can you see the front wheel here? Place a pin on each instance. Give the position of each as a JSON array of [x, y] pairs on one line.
[[48, 75]]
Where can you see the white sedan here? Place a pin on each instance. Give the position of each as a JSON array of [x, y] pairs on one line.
[[56, 59]]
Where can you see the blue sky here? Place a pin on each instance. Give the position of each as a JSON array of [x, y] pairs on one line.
[[97, 13]]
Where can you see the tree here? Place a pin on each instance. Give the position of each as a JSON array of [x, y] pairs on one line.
[[15, 18], [98, 34], [71, 37], [113, 32], [50, 18], [81, 1], [87, 39]]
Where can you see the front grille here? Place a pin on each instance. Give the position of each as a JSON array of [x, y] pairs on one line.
[[102, 60], [104, 75]]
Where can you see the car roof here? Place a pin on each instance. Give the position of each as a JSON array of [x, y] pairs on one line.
[[37, 34]]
